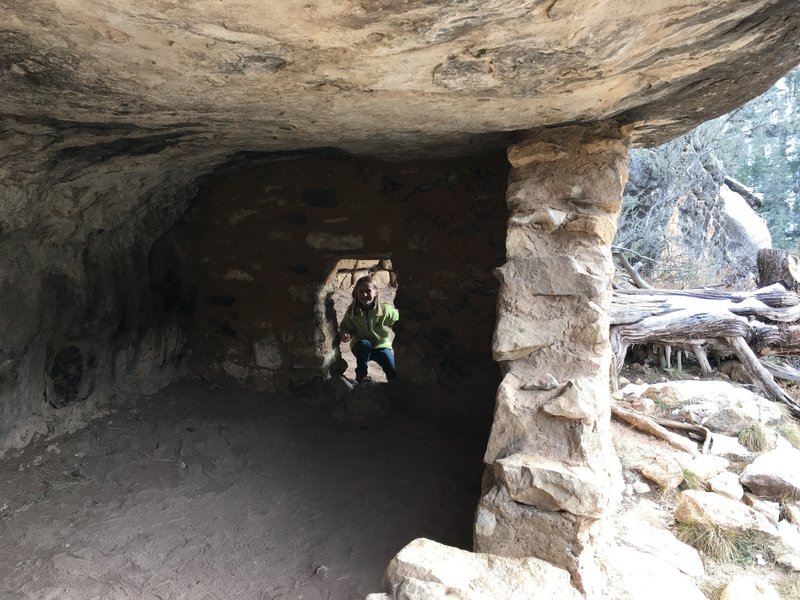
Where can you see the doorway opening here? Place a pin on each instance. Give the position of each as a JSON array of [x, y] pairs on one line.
[[342, 280]]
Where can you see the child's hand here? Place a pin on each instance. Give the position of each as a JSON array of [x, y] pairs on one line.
[[345, 337]]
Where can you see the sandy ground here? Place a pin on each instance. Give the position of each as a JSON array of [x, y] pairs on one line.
[[202, 492]]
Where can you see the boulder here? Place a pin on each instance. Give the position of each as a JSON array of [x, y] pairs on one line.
[[705, 466], [634, 575], [427, 567], [722, 407], [747, 587], [726, 484], [713, 509], [729, 447], [662, 470], [774, 474], [648, 538], [771, 510]]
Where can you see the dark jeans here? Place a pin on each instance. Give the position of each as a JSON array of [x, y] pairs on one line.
[[364, 352]]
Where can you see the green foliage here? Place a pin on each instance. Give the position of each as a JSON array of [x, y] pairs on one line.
[[757, 144]]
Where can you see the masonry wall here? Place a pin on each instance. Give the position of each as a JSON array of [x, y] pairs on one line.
[[265, 244]]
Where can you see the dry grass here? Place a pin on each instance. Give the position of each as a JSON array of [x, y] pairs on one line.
[[789, 430], [788, 587], [691, 481], [712, 590], [754, 438], [723, 545]]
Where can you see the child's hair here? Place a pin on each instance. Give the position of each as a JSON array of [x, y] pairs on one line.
[[371, 283]]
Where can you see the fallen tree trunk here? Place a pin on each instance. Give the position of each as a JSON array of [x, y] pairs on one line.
[[747, 324]]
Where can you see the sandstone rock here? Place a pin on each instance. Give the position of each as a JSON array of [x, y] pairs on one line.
[[705, 466], [552, 486], [774, 474], [545, 382], [662, 470], [771, 510], [602, 228], [790, 536], [722, 407], [517, 337], [745, 226], [789, 561], [729, 447], [552, 276], [459, 574], [525, 153], [575, 402], [507, 528], [792, 512], [726, 484], [547, 220], [660, 543], [634, 575], [747, 587], [712, 509], [640, 487]]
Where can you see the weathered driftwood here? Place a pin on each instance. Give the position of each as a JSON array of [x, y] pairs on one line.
[[747, 324], [778, 266], [781, 371], [761, 376], [644, 423], [637, 279]]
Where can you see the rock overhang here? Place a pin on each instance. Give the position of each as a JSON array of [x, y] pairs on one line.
[[379, 78]]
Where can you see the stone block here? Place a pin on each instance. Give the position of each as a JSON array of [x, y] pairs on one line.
[[507, 528], [525, 153], [382, 279], [517, 337], [320, 240], [603, 229], [366, 264], [427, 570], [552, 486], [551, 276], [577, 402], [267, 353], [547, 220]]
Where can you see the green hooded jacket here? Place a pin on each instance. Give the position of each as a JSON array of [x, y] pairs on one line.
[[371, 325]]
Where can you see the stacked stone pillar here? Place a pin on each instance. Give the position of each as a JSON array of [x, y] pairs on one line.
[[552, 470]]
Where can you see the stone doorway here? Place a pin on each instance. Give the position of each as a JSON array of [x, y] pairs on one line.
[[342, 281]]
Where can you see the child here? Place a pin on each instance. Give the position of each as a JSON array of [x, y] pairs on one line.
[[366, 322]]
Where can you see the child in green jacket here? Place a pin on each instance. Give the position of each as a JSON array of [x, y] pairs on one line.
[[366, 326]]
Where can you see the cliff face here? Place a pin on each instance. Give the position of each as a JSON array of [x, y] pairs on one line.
[[115, 116], [684, 224]]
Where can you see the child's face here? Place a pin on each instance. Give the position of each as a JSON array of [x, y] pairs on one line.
[[365, 294]]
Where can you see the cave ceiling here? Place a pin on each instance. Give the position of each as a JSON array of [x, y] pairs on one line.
[[383, 77], [113, 112]]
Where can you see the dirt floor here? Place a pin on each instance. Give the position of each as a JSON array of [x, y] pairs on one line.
[[202, 492]]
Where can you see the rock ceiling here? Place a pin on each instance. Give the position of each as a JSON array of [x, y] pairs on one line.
[[383, 77], [112, 111]]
